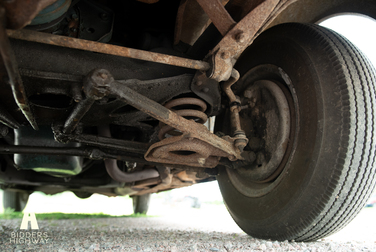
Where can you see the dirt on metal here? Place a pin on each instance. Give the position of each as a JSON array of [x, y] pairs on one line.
[[98, 47]]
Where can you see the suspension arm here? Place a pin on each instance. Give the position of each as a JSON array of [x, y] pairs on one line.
[[100, 83]]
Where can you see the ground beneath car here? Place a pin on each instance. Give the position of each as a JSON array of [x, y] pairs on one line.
[[184, 229]]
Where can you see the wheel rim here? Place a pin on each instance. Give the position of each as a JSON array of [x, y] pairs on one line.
[[269, 119]]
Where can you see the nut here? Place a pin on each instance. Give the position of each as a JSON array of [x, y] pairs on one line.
[[240, 37], [225, 55]]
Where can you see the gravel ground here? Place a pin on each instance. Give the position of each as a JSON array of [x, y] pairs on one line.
[[177, 227], [158, 234]]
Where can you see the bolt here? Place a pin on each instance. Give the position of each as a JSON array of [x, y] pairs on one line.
[[130, 166], [198, 83], [73, 29], [201, 161], [104, 16], [225, 55], [205, 90], [77, 98], [248, 94], [239, 37]]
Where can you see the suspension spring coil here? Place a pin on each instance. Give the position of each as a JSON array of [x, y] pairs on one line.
[[189, 108]]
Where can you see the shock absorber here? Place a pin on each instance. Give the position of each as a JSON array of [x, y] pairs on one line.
[[189, 108]]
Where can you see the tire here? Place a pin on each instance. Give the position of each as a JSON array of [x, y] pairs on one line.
[[328, 168], [15, 200], [141, 203], [82, 195]]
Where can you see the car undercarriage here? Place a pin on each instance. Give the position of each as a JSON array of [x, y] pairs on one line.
[[138, 97]]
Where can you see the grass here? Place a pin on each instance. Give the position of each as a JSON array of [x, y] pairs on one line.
[[11, 214]]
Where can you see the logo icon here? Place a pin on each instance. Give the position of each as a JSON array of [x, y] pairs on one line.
[[29, 217]]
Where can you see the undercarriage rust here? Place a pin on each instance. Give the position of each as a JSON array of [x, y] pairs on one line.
[[218, 15], [118, 137], [92, 46], [100, 83], [15, 80], [228, 50]]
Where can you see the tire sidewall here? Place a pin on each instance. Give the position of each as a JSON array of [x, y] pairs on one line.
[[309, 168]]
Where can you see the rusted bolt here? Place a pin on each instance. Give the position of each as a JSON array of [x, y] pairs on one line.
[[225, 55], [248, 94], [201, 161], [239, 37]]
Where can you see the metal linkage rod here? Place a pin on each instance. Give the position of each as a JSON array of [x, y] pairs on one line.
[[15, 80], [86, 45], [7, 119]]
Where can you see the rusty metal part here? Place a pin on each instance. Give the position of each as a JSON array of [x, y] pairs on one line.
[[97, 93], [218, 15], [208, 90], [193, 130], [239, 135], [20, 13], [100, 141], [98, 47], [169, 182], [77, 114], [118, 175], [191, 21], [15, 80], [196, 114], [189, 176], [165, 184], [227, 51], [7, 119], [185, 150], [270, 112]]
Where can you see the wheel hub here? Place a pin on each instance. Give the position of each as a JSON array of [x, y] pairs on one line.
[[270, 116], [266, 117]]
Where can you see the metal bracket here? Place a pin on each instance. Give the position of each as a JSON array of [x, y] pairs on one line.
[[236, 39]]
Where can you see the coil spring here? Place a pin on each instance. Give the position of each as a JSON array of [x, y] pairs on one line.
[[189, 108]]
